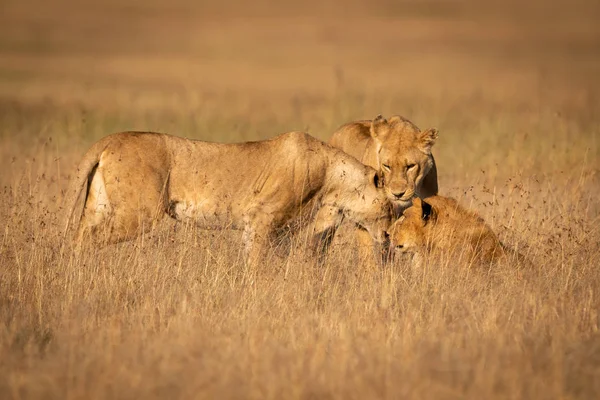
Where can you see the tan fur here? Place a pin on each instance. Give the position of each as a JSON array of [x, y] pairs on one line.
[[135, 178], [400, 152], [395, 143], [448, 227]]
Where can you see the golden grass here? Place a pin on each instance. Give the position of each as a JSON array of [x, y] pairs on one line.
[[175, 315]]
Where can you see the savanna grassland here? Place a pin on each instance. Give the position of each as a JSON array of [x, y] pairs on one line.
[[514, 90]]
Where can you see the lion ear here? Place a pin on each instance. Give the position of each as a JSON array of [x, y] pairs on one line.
[[427, 139], [378, 180], [394, 119], [378, 126], [417, 202], [426, 211]]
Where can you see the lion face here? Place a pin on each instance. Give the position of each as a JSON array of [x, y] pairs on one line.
[[368, 206], [412, 230], [440, 224], [404, 157]]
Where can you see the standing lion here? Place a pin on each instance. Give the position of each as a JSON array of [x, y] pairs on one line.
[[130, 180], [400, 152]]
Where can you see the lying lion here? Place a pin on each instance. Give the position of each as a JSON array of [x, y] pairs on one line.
[[440, 223], [132, 179]]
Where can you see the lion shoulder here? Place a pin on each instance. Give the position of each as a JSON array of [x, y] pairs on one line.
[[454, 217]]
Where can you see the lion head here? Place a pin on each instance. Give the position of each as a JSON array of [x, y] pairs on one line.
[[412, 230], [404, 156], [441, 223], [356, 191], [372, 210]]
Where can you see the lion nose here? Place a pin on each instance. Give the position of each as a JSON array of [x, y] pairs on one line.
[[399, 195]]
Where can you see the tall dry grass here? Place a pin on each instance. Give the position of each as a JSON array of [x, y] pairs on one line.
[[515, 94]]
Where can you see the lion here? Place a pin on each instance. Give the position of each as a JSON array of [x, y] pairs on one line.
[[440, 223], [130, 180], [400, 152]]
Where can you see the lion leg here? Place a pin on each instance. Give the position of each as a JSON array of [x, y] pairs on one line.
[[327, 221], [96, 211], [369, 254], [121, 204], [256, 237], [252, 251]]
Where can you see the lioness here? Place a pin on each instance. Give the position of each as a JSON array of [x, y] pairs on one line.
[[134, 178], [441, 223], [400, 152]]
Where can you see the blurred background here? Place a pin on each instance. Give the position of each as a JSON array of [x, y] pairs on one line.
[[492, 76], [512, 86]]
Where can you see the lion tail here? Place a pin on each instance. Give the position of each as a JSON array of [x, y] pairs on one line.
[[88, 164]]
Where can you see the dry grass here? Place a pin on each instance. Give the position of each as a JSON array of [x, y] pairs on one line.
[[515, 94]]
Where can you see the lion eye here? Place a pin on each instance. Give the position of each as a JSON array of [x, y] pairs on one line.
[[385, 166], [411, 166]]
